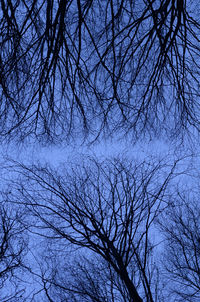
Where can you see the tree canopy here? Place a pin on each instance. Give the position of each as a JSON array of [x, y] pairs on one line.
[[102, 222], [115, 228], [98, 67]]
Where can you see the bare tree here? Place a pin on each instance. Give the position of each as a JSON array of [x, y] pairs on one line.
[[12, 251], [106, 66], [181, 226], [107, 208]]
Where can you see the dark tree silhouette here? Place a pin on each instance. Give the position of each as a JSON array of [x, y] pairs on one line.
[[12, 251], [182, 257], [100, 67], [106, 208]]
